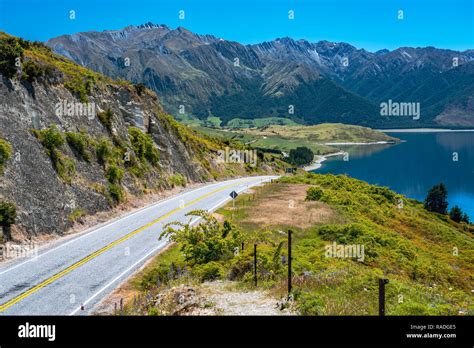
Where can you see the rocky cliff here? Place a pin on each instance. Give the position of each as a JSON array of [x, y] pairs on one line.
[[81, 143]]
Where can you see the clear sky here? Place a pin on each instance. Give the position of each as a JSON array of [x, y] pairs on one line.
[[369, 24]]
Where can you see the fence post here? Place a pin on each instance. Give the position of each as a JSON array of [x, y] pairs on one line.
[[382, 283], [255, 264]]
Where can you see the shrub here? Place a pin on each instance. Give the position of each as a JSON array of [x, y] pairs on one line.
[[314, 194], [143, 146], [177, 180], [10, 51], [456, 214], [116, 192], [5, 153], [436, 200], [50, 137], [80, 143], [105, 117], [7, 218], [300, 156], [310, 304], [114, 174], [33, 71], [205, 242], [104, 151], [209, 271]]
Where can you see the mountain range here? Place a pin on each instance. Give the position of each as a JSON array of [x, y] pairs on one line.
[[204, 76]]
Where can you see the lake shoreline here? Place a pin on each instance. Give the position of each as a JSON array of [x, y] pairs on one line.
[[423, 130], [318, 162]]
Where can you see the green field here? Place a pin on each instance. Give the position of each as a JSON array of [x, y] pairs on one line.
[[285, 138]]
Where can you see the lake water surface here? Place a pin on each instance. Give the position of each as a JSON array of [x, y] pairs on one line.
[[415, 165]]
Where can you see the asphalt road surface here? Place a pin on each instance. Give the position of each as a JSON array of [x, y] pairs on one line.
[[81, 271]]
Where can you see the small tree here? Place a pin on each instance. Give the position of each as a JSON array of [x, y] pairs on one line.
[[465, 218], [456, 214], [436, 200], [7, 218]]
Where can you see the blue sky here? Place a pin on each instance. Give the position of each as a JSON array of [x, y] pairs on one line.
[[369, 24]]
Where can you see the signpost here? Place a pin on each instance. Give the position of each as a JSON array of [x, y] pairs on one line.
[[234, 195]]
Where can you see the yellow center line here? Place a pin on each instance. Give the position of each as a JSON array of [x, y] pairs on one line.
[[86, 259]]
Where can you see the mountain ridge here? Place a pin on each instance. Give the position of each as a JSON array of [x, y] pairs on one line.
[[203, 72]]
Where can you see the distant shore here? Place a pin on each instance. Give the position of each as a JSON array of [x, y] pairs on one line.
[[423, 130], [362, 143], [319, 159]]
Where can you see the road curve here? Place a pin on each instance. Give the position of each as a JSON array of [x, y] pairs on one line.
[[81, 271]]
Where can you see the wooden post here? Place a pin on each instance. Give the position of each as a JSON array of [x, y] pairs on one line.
[[382, 283], [289, 261], [255, 264]]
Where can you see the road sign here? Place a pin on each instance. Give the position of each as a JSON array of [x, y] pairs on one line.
[[234, 194]]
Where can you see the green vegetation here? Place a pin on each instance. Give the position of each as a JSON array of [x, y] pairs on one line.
[[116, 192], [300, 156], [53, 140], [76, 214], [106, 117], [32, 70], [80, 142], [260, 122], [7, 218], [114, 174], [205, 242], [456, 214], [314, 194], [142, 145], [426, 256], [177, 180], [436, 200], [5, 153], [10, 51]]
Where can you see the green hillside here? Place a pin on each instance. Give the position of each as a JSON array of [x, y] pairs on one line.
[[426, 257]]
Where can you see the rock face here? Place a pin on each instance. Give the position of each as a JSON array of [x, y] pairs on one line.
[[324, 81], [44, 201]]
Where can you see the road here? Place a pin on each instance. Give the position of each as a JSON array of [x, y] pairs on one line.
[[81, 271]]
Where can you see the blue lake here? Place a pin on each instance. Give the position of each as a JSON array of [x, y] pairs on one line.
[[415, 165]]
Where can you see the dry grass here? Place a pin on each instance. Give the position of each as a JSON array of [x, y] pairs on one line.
[[285, 205]]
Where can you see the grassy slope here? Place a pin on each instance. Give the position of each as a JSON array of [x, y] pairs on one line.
[[285, 138], [410, 246]]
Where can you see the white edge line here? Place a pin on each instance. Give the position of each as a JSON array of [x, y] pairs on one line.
[[140, 210], [152, 251]]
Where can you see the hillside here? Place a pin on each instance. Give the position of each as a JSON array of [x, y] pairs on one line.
[[74, 142], [321, 139], [323, 81], [426, 257]]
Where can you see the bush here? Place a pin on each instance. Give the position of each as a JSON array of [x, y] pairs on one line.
[[310, 304], [314, 194], [7, 218], [456, 214], [114, 174], [10, 51], [140, 88], [104, 151], [116, 193], [5, 153], [436, 200], [105, 117], [209, 271], [300, 156], [143, 146], [177, 180], [50, 137], [208, 241], [80, 143], [33, 71]]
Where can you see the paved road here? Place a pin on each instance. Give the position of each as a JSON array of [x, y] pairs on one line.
[[85, 269]]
